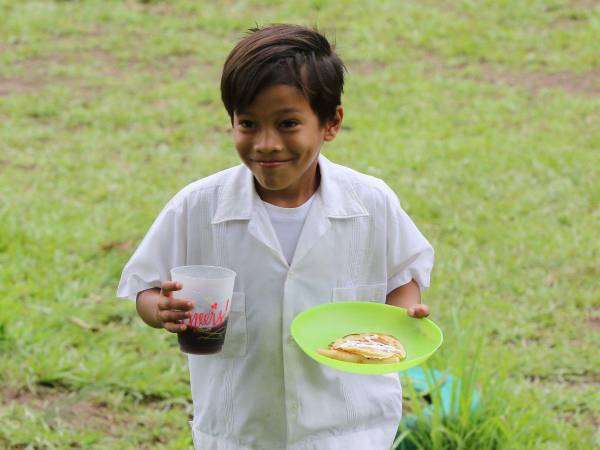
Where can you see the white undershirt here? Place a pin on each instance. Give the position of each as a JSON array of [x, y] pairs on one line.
[[288, 223]]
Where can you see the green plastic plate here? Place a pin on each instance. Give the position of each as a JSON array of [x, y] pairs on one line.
[[319, 326]]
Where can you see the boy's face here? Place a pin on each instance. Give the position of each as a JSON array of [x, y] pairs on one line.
[[278, 136]]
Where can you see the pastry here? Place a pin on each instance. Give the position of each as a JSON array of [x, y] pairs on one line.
[[366, 348]]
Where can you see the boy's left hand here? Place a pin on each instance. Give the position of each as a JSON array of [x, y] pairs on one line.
[[418, 311], [408, 296]]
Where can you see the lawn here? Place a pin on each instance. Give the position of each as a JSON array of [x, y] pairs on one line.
[[483, 116]]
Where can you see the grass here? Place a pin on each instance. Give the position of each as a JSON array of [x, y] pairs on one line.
[[483, 116]]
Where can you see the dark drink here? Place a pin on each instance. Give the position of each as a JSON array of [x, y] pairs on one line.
[[202, 341]]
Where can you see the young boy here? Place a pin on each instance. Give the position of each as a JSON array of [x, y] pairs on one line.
[[299, 231]]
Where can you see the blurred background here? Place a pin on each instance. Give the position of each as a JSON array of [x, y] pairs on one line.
[[483, 116]]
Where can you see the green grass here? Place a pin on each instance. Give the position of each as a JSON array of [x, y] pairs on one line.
[[483, 116]]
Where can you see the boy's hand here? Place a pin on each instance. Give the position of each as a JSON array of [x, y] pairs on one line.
[[408, 296], [418, 311], [171, 311]]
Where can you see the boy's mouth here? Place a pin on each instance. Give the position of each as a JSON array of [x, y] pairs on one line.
[[271, 163]]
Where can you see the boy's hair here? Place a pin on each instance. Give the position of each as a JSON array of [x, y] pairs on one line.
[[283, 54]]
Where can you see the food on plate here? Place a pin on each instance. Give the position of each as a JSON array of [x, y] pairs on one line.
[[366, 348]]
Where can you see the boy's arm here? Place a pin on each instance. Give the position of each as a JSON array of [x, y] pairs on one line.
[[408, 296], [159, 309]]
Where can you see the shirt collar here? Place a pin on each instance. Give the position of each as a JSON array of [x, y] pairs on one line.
[[238, 197]]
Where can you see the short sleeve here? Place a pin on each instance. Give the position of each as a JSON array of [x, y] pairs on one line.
[[409, 255], [164, 246]]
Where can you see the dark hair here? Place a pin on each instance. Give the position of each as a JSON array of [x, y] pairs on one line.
[[283, 54]]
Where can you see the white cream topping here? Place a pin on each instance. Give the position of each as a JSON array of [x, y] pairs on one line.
[[370, 344]]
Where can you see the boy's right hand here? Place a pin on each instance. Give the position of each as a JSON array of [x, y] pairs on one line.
[[171, 311]]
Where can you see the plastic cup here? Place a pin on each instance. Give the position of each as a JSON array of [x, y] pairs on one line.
[[210, 288]]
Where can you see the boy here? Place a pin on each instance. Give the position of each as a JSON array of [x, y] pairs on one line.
[[299, 231]]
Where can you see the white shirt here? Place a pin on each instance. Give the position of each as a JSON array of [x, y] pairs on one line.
[[261, 391], [287, 224]]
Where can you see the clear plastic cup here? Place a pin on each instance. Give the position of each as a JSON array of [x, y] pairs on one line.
[[211, 289]]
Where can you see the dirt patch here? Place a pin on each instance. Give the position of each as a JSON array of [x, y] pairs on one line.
[[21, 166], [442, 5], [594, 323], [593, 420], [586, 414], [179, 66], [15, 86], [9, 395], [588, 4], [584, 83], [69, 413], [366, 67], [68, 407], [117, 245], [163, 9], [37, 73], [572, 380], [35, 76]]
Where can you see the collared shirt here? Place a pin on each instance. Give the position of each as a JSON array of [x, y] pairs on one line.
[[261, 391]]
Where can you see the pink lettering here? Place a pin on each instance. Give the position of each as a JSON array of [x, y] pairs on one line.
[[221, 317], [206, 318], [194, 321], [212, 318]]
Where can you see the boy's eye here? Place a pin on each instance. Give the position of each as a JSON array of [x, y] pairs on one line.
[[289, 123], [246, 124]]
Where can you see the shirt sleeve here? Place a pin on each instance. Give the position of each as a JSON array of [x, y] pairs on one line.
[[409, 255], [163, 247]]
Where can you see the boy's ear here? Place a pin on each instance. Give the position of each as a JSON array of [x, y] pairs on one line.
[[334, 124]]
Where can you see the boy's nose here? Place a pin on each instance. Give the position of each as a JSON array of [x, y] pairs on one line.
[[267, 141]]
